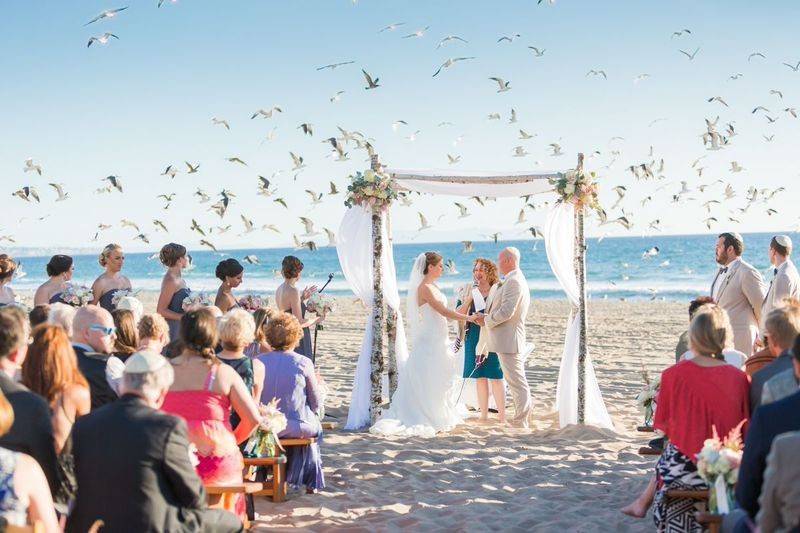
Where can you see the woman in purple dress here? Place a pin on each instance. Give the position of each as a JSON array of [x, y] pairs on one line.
[[290, 378]]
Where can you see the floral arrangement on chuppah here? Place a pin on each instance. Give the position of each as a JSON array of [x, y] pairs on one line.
[[370, 188], [579, 188], [253, 302], [646, 399], [264, 442], [77, 295], [718, 464], [195, 300]]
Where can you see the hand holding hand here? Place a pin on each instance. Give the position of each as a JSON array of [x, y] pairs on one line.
[[480, 319]]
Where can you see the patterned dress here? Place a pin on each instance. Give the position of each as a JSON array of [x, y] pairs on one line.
[[11, 507]]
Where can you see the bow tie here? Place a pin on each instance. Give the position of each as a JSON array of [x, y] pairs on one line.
[[723, 270], [775, 272]]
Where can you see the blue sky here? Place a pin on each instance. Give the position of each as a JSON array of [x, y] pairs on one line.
[[146, 101]]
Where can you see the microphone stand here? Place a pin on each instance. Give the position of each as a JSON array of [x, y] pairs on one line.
[[318, 327]]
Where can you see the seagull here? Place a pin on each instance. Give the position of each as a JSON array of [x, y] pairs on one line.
[[170, 171], [537, 52], [221, 229], [536, 232], [493, 116], [59, 187], [298, 161], [462, 209], [307, 128], [248, 224], [449, 38], [333, 189], [271, 227], [418, 33], [160, 224], [519, 151], [336, 97], [736, 76], [467, 247], [556, 149], [494, 236], [450, 265], [769, 138], [142, 237], [266, 113], [331, 237], [449, 63], [26, 193], [31, 166], [792, 111], [102, 39], [423, 222], [125, 223], [777, 93], [281, 201], [525, 135], [513, 118], [504, 85], [107, 14], [309, 227], [207, 243], [521, 218], [756, 54], [236, 160], [315, 198], [736, 167], [718, 99], [202, 195], [640, 77], [192, 169], [114, 181], [594, 72], [680, 33], [160, 2], [333, 66], [508, 38], [794, 68], [708, 221], [311, 245], [453, 159], [217, 121], [391, 27], [252, 259], [371, 84], [687, 54], [652, 252]]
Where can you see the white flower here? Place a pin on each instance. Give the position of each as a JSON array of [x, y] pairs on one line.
[[569, 188], [370, 176]]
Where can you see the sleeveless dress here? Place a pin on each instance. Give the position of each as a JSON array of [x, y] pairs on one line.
[[305, 347], [176, 306], [65, 462], [490, 368], [105, 300], [11, 507], [244, 367], [425, 400], [207, 416], [56, 299]]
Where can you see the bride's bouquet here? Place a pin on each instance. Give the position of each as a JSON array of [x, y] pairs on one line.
[[119, 294], [646, 399], [76, 295], [253, 302], [264, 442], [321, 304], [718, 464], [195, 300]]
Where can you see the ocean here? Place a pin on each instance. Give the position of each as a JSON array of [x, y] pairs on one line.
[[683, 268]]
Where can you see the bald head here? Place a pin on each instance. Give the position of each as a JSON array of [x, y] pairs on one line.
[[87, 328], [508, 260]]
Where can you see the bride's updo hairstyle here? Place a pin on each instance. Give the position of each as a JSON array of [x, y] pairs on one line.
[[431, 259], [199, 333]]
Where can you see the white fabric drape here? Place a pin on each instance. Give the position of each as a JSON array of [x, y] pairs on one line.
[[468, 184], [559, 235], [354, 248]]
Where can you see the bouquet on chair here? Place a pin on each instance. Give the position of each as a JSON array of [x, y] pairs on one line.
[[646, 399], [264, 442], [718, 464]]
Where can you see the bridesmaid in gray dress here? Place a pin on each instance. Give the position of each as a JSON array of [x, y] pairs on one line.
[[290, 299], [173, 286], [105, 287]]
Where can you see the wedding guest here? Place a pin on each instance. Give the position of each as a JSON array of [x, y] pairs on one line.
[[683, 340], [785, 282], [237, 330], [487, 371], [780, 498], [203, 394], [126, 342], [132, 465], [7, 268], [230, 272], [60, 269], [32, 430], [260, 344], [733, 357], [290, 299], [781, 385], [292, 380], [24, 495], [111, 281], [62, 315], [38, 315], [782, 326], [153, 333], [132, 304], [173, 286], [739, 289], [51, 371], [93, 340]]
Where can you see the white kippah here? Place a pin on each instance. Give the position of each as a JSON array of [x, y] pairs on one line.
[[737, 236], [142, 362], [784, 241]]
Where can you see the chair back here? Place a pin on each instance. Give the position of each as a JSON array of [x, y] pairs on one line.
[[757, 361]]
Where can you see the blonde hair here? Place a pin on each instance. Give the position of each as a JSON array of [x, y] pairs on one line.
[[106, 253], [783, 325], [153, 326], [62, 315], [710, 331], [236, 329], [283, 332]]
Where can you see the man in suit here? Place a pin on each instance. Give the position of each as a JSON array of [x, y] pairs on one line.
[[93, 336], [780, 498], [505, 323], [783, 327], [781, 385], [132, 462], [739, 289], [786, 281], [32, 430]]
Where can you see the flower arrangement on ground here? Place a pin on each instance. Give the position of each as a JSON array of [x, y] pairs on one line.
[[646, 399], [718, 464], [195, 300], [77, 295], [264, 442], [370, 189], [253, 302]]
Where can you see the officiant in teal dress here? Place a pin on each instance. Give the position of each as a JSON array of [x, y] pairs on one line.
[[489, 371]]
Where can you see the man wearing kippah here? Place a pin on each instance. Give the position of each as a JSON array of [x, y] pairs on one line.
[[786, 280], [739, 289]]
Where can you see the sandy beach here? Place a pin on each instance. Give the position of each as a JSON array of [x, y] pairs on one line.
[[478, 476]]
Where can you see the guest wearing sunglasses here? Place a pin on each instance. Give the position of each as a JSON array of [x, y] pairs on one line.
[[93, 336]]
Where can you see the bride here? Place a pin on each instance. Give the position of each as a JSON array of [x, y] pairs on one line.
[[424, 401]]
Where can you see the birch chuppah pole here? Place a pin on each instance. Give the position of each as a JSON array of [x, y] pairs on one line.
[[378, 315], [580, 275]]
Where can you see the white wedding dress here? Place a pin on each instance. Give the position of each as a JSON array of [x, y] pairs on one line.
[[424, 402]]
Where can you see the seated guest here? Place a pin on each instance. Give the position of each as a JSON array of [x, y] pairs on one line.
[[203, 393], [7, 268], [111, 281], [782, 326], [683, 341], [93, 339], [230, 272], [32, 430], [780, 498], [768, 422], [291, 379], [153, 333], [260, 344], [62, 315], [51, 371], [132, 465], [24, 495], [59, 269], [779, 387], [126, 339], [729, 355], [38, 315], [236, 330]]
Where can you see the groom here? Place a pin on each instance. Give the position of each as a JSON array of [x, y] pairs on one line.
[[505, 323]]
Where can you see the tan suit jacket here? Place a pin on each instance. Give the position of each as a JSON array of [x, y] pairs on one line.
[[505, 315], [780, 495], [785, 285], [741, 294]]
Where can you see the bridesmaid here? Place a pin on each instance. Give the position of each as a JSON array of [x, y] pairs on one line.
[[60, 269], [173, 286], [106, 286], [7, 268], [230, 272], [289, 299], [485, 275]]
